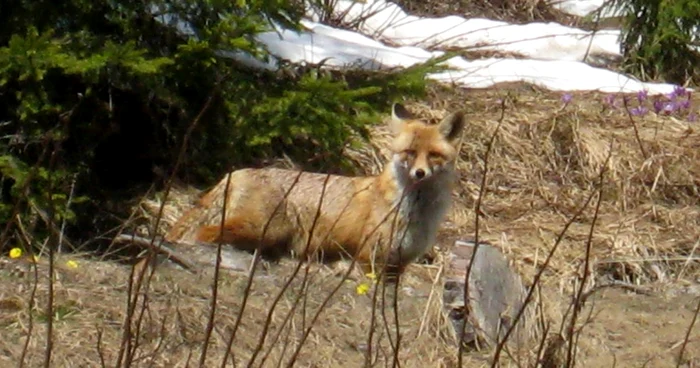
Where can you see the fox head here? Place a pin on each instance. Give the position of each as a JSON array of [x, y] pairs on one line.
[[423, 150]]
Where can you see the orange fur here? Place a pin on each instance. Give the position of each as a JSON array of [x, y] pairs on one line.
[[389, 218]]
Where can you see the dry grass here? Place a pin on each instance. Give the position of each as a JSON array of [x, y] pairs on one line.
[[91, 299], [544, 164], [520, 11]]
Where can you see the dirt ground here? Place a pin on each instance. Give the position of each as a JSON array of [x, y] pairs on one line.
[[544, 163], [633, 330], [626, 329]]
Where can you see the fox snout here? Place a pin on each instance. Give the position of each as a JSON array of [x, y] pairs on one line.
[[418, 173], [418, 168]]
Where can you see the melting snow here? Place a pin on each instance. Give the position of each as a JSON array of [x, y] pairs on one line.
[[549, 55], [583, 7]]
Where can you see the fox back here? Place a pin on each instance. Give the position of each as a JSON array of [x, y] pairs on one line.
[[388, 219]]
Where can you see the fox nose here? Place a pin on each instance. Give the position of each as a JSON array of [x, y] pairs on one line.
[[420, 173]]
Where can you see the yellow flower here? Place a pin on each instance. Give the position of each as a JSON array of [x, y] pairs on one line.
[[372, 276], [362, 289], [72, 264], [15, 253]]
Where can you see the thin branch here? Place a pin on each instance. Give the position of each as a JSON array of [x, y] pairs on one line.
[[302, 293], [100, 353], [586, 271], [53, 242], [215, 284], [171, 254], [63, 222], [30, 304], [131, 305], [253, 268], [482, 190], [536, 280], [636, 131], [268, 319], [396, 363], [687, 335], [340, 284]]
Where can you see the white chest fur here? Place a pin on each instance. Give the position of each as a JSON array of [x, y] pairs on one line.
[[421, 211]]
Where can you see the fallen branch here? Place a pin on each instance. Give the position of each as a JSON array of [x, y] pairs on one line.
[[161, 249]]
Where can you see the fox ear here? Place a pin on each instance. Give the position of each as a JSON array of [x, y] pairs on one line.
[[399, 115], [399, 112], [451, 126]]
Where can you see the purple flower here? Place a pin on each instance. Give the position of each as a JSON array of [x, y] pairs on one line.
[[670, 107], [639, 111], [609, 99], [642, 95], [677, 92], [658, 106], [685, 104], [566, 98]]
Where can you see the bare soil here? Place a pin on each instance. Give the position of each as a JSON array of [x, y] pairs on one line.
[[624, 329]]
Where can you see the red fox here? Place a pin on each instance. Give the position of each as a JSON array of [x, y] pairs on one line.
[[390, 219]]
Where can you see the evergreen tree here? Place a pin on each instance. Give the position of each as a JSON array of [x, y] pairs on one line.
[[661, 39]]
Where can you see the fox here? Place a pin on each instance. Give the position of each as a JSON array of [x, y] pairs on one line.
[[385, 221]]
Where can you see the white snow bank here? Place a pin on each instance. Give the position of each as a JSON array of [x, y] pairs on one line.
[[550, 41], [343, 48], [582, 8], [554, 65], [346, 49], [552, 75]]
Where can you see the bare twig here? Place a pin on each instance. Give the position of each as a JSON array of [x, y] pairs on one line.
[[536, 280], [540, 346], [482, 190], [396, 363], [63, 222], [50, 224], [131, 297], [370, 335], [578, 301], [118, 229], [52, 243], [100, 353], [172, 255], [303, 292], [152, 355], [215, 283], [268, 319], [131, 304], [30, 305], [636, 130], [337, 287], [253, 268], [687, 335], [394, 347]]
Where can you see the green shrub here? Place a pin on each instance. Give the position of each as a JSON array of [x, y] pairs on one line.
[[658, 38]]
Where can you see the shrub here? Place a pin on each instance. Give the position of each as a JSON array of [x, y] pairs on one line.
[[660, 38]]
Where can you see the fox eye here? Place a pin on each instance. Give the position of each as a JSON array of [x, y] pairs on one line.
[[434, 155], [410, 153]]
